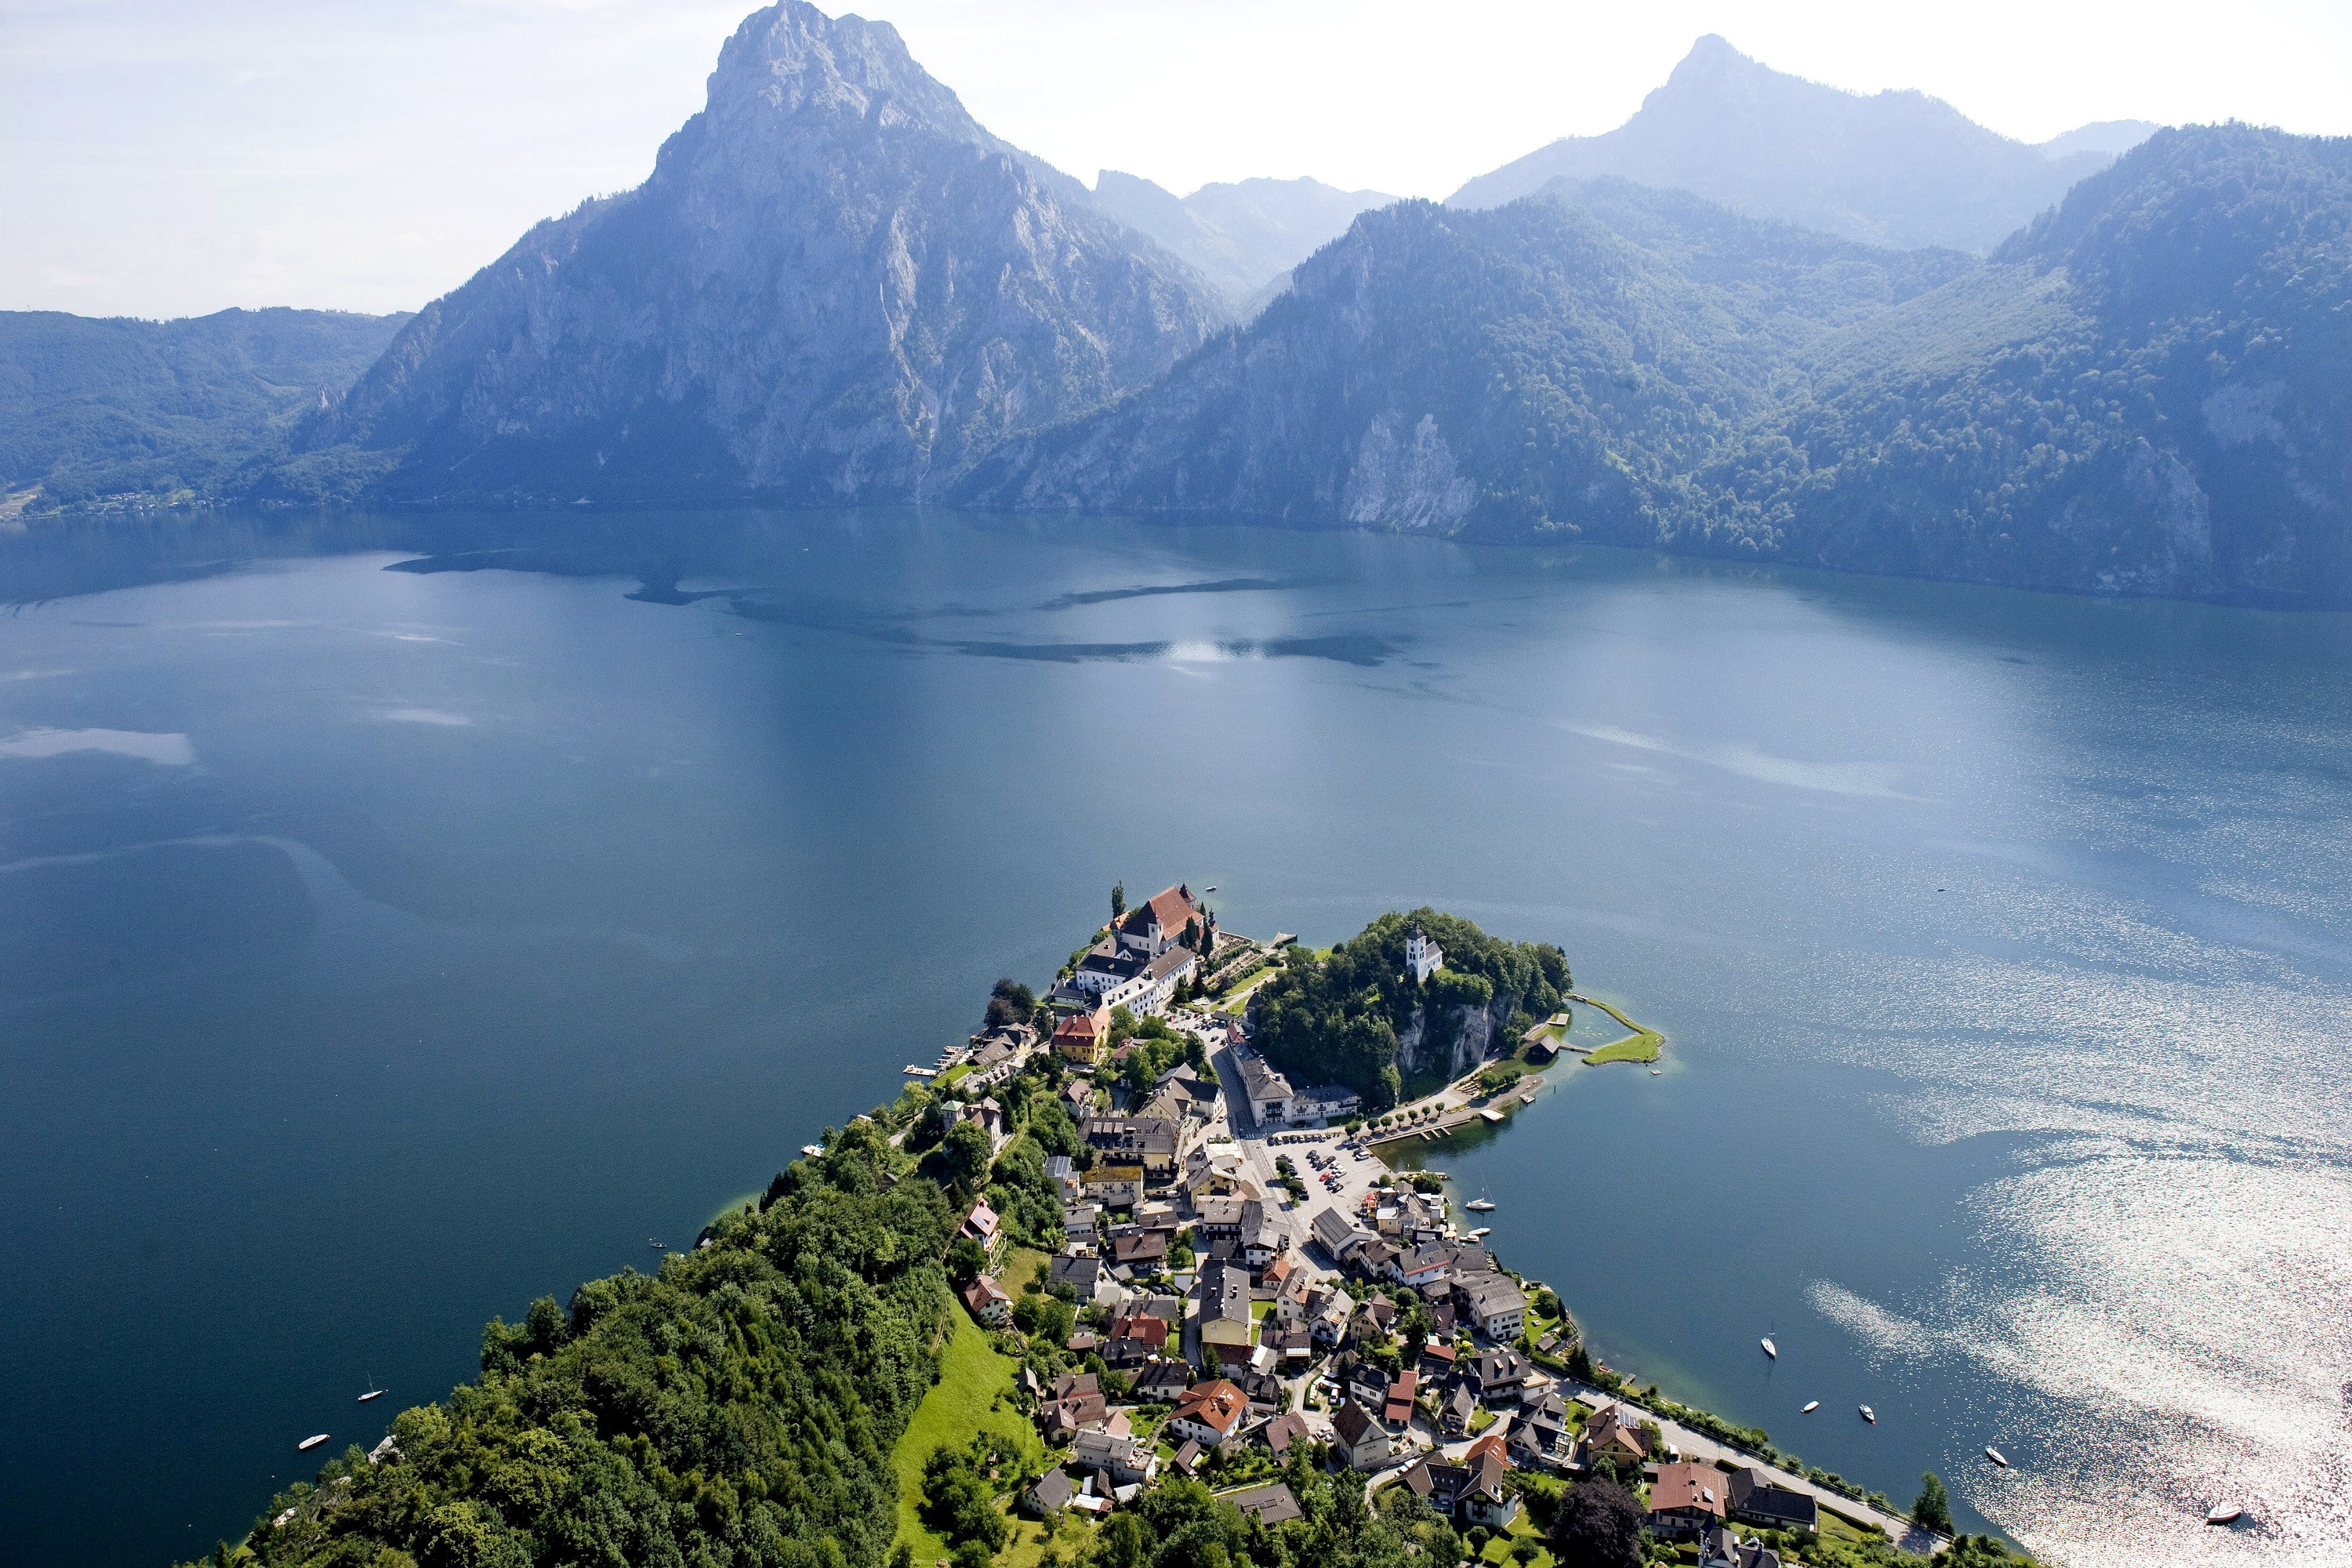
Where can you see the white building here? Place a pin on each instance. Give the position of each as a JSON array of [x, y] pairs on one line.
[[1269, 1092], [1324, 1103], [1422, 956]]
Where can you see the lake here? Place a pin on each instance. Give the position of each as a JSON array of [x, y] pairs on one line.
[[401, 918]]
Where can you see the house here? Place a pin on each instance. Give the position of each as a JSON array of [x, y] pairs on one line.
[[1461, 1408], [1293, 1295], [1615, 1431], [1223, 1290], [1396, 1408], [1209, 1413], [1362, 1441], [1083, 1275], [1293, 1343], [1437, 1360], [1284, 1430], [1081, 1222], [1376, 1259], [1497, 1377], [988, 1302], [1271, 1504], [1186, 1459], [1083, 1036], [1425, 1265], [1080, 1094], [1685, 1500], [1157, 924], [986, 1113], [1753, 1496], [1268, 1091], [1722, 1548], [981, 1226], [1162, 1379], [1050, 1494], [1362, 1381], [1115, 1185], [1062, 1171], [1325, 1103], [1540, 1436], [1146, 1140], [1062, 1419], [1265, 1391], [1145, 1251], [1496, 1304], [1328, 1319], [1422, 957], [1125, 1458], [1472, 1490], [1219, 1218], [1264, 1237], [1331, 1231], [1198, 1096]]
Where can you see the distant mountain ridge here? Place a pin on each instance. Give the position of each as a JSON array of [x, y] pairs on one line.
[[834, 285], [2141, 393], [1243, 236], [1893, 168]]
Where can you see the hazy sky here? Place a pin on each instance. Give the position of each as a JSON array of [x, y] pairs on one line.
[[170, 157]]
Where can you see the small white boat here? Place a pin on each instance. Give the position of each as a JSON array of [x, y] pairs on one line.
[[1771, 1349], [1996, 1456], [813, 1150], [1480, 1205], [370, 1394], [307, 1444], [1870, 1416], [1811, 1407], [2224, 1513], [1657, 1072], [1480, 1233]]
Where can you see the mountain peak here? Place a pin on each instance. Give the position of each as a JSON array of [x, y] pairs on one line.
[[793, 61]]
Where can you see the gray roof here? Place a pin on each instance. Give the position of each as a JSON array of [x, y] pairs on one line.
[[1052, 1490], [1262, 1081], [1271, 1504], [1488, 1294]]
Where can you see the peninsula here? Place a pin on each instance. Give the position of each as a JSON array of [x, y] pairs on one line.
[[1120, 1282]]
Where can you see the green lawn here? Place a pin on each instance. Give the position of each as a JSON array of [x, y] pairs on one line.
[[963, 1401], [948, 1078], [1641, 1046], [1499, 1549]]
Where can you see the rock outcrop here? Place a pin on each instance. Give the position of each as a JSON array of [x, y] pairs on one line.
[[1457, 1039], [834, 285]]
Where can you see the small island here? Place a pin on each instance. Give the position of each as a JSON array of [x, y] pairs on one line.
[[1121, 1281]]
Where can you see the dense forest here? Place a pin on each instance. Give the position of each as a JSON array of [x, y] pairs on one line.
[[1336, 1017], [95, 409]]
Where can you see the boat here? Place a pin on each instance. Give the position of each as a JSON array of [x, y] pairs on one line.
[[1210, 889], [1769, 1348], [1870, 1416], [307, 1444], [1480, 1233], [1811, 1407], [370, 1394], [1657, 1072], [2224, 1513], [656, 1244], [1480, 1205], [1996, 1456], [813, 1150]]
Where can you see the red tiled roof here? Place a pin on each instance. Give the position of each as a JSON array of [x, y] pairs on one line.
[[1217, 1405], [1169, 908], [1688, 1486]]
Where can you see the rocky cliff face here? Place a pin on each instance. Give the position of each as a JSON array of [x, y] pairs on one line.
[[836, 286], [1457, 1041]]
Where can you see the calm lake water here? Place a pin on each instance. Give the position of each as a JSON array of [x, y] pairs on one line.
[[400, 920]]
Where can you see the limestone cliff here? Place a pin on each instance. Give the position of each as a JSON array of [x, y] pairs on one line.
[[834, 285], [1457, 1039]]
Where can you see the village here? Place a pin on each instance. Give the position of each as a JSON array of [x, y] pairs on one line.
[[1241, 1284]]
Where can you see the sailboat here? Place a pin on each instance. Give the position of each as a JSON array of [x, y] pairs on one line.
[[1811, 1407], [1769, 1348], [1996, 1456], [1870, 1416], [2224, 1513], [307, 1444], [370, 1394]]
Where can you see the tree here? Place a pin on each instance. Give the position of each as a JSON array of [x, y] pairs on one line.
[[1933, 1509], [1579, 1363], [1117, 900], [1009, 1002], [1598, 1525], [968, 1150]]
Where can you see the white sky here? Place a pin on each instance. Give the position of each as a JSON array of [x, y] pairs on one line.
[[172, 157]]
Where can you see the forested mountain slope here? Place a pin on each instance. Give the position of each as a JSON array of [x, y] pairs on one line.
[[1890, 168], [93, 408], [835, 284]]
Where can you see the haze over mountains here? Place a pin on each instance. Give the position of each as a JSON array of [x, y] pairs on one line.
[[1722, 328], [1895, 168]]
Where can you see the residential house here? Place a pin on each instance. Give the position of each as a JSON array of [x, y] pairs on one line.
[[1471, 1490], [1115, 1185], [1362, 1381], [1685, 1498], [1219, 1219], [1263, 1235], [1753, 1496], [1541, 1434], [1722, 1548], [980, 1225], [1268, 1091], [1294, 1297], [1280, 1432], [1292, 1342], [1209, 1413], [1051, 1494], [988, 1302], [1269, 1504], [1265, 1391], [1145, 1252], [1325, 1103], [1079, 1096], [1082, 1222], [1062, 1171], [1126, 1460], [1197, 1095], [1376, 1259], [1082, 1037], [1327, 1318], [1223, 1290], [1360, 1440], [1186, 1459], [1613, 1431], [1461, 1408], [1162, 1379], [1396, 1410], [1146, 1140], [1496, 1304], [1437, 1358], [1497, 1377]]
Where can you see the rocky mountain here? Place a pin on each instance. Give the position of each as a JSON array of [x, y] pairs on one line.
[[836, 286], [2142, 392], [1551, 364], [1893, 168], [1243, 235], [92, 410]]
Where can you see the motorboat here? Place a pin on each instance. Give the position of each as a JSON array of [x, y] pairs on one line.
[[1996, 1456], [1870, 1416], [2224, 1513], [1769, 1348], [1811, 1406], [307, 1444]]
